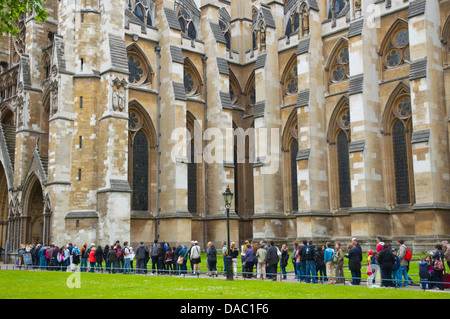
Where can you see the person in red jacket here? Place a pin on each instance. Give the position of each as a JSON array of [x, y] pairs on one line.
[[92, 259]]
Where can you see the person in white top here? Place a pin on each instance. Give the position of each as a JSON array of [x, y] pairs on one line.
[[195, 257]]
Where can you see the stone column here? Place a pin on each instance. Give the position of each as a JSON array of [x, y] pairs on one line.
[[269, 221], [430, 148], [174, 218], [368, 214], [218, 153], [313, 217]]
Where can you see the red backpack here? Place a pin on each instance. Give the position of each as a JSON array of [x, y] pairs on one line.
[[408, 255]]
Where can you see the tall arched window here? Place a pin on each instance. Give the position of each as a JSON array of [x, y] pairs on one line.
[[140, 172], [339, 139], [290, 149], [194, 166], [142, 159], [294, 186], [397, 131]]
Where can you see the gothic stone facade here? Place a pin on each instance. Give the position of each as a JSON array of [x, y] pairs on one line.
[[356, 90]]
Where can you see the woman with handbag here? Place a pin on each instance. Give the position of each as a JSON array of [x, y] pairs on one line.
[[438, 266], [182, 260]]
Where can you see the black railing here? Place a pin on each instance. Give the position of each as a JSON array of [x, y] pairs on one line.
[[279, 276]]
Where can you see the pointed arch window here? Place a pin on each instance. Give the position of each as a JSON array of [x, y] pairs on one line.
[[293, 23], [138, 66], [290, 148], [140, 172], [250, 94], [294, 185], [142, 11], [395, 47], [397, 131], [194, 166], [186, 24], [226, 33], [338, 64], [192, 82], [141, 150], [339, 140], [290, 77]]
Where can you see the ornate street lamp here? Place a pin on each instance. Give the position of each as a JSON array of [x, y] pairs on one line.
[[228, 197]]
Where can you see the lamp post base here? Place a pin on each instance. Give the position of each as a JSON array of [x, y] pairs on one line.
[[229, 263]]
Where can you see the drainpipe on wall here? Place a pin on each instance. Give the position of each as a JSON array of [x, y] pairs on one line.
[[158, 52], [205, 169]]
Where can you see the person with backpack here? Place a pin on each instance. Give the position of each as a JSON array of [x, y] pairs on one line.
[[404, 254], [140, 257], [301, 252], [395, 268], [154, 254], [310, 256], [438, 267], [112, 259], [76, 254], [84, 258]]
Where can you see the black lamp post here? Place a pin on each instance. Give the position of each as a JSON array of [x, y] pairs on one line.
[[228, 197]]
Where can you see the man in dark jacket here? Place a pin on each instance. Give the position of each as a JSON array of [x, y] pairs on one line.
[[140, 257], [272, 260], [386, 260]]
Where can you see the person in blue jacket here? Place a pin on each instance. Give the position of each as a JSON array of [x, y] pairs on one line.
[[396, 276]]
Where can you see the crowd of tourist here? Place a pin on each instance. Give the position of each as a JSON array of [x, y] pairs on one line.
[[386, 266]]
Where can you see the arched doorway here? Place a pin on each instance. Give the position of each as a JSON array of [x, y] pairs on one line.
[[34, 212]]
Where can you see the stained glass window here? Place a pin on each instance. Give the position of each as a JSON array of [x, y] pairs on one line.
[[291, 86], [192, 179], [139, 12], [186, 24], [192, 33], [401, 163], [338, 6], [294, 186], [345, 198], [140, 172], [149, 19], [135, 68], [397, 52], [189, 84], [340, 67]]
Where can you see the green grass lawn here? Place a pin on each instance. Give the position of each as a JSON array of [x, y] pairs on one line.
[[53, 285]]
